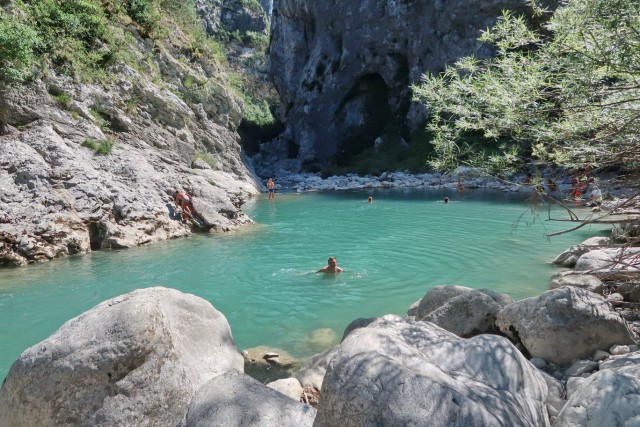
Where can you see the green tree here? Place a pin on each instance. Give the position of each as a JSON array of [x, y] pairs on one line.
[[567, 93]]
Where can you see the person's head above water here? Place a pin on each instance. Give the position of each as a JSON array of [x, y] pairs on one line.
[[446, 200], [370, 199], [331, 267]]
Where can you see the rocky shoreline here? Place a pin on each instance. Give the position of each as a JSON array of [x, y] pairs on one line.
[[160, 357], [460, 356], [468, 177]]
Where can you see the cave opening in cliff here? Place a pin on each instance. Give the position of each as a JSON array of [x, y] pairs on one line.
[[254, 133], [363, 116]]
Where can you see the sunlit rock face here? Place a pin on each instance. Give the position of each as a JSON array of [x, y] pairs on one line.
[[344, 69], [232, 15]]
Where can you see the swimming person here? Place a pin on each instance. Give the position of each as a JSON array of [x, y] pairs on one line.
[[446, 200], [370, 199], [331, 267]]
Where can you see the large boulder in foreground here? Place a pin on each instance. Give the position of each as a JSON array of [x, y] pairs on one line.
[[134, 360], [464, 311], [400, 372], [236, 399], [564, 324]]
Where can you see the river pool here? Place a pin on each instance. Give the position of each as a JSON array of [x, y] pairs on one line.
[[393, 250]]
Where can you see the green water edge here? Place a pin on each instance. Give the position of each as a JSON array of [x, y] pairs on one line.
[[394, 251]]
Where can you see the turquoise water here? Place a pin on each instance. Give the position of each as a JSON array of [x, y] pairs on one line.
[[394, 251]]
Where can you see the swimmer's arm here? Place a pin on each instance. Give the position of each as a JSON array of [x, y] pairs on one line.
[[310, 272]]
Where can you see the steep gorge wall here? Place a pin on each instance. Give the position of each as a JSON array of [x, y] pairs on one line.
[[172, 120], [343, 69]]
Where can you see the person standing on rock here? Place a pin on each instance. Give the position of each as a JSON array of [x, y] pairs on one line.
[[271, 186], [184, 201]]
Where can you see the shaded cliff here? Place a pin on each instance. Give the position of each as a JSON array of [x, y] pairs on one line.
[[343, 69]]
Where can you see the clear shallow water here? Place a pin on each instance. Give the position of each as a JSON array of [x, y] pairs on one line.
[[394, 251]]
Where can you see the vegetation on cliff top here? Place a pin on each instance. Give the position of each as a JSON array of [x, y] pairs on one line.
[[84, 39], [568, 94]]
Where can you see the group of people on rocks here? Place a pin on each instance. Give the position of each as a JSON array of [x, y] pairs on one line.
[[583, 187]]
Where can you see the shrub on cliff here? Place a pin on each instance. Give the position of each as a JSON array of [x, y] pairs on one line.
[[84, 38], [17, 44], [567, 94]]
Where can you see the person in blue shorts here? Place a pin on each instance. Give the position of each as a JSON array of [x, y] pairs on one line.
[[271, 186]]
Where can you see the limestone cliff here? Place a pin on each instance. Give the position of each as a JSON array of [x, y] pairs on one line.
[[234, 15], [90, 164], [343, 69]]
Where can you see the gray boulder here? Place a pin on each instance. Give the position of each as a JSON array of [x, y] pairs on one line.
[[437, 297], [569, 257], [630, 291], [609, 398], [236, 399], [555, 401], [311, 374], [612, 262], [564, 324], [399, 372], [629, 361], [463, 311], [588, 282], [290, 387], [361, 322], [413, 308], [136, 359]]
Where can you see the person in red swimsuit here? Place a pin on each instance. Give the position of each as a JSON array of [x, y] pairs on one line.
[[183, 200]]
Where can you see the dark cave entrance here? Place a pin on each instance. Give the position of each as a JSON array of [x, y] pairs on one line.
[[363, 116], [252, 134]]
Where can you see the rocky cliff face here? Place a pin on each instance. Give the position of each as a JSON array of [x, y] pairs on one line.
[[234, 15], [343, 69], [60, 196]]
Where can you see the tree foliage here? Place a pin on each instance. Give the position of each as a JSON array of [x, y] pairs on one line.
[[84, 38], [565, 93]]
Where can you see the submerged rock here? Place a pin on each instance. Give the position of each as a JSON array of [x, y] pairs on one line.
[[268, 364]]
